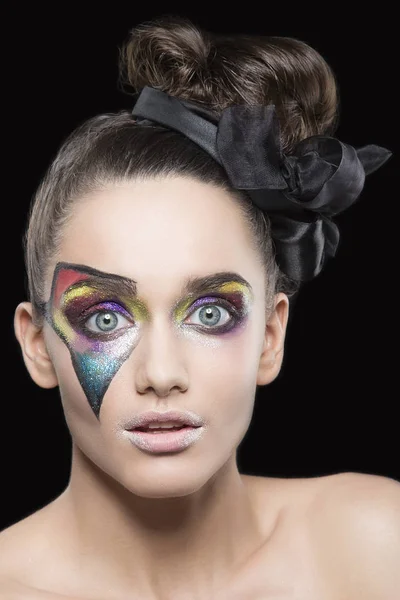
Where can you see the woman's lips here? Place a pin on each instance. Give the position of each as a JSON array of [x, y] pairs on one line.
[[167, 440], [159, 429]]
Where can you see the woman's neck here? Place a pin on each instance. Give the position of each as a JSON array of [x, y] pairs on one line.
[[191, 543]]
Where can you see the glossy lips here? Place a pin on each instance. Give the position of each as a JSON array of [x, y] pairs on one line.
[[152, 416], [172, 441]]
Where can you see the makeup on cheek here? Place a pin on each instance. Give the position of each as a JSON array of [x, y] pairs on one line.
[[92, 312], [97, 366], [83, 314]]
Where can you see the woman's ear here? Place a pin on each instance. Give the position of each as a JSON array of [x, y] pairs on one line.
[[272, 354], [33, 346]]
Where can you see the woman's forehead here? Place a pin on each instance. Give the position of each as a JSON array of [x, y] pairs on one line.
[[158, 230], [168, 204]]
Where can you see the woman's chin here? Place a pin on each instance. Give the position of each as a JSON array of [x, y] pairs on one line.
[[156, 487], [164, 481]]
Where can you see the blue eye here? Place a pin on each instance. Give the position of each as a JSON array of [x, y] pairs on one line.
[[106, 321], [210, 315]]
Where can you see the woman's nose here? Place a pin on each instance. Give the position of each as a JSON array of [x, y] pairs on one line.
[[161, 361]]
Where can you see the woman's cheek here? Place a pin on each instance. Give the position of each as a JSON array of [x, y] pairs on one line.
[[226, 380]]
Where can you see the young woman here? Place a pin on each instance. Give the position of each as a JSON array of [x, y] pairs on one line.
[[162, 252]]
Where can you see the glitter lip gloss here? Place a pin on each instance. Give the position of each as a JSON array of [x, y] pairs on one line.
[[170, 441]]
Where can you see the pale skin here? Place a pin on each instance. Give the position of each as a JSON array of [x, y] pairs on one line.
[[188, 525]]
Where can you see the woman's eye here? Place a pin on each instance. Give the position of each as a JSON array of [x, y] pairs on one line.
[[210, 315], [106, 321]]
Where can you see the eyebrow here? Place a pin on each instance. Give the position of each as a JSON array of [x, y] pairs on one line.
[[191, 286]]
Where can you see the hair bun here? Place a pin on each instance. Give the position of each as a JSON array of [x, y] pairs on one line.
[[171, 55], [217, 70]]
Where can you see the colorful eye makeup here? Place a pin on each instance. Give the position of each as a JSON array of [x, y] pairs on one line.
[[98, 316]]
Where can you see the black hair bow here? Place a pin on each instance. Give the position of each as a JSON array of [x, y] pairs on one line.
[[299, 192]]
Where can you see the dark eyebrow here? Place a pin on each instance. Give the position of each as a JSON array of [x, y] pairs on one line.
[[192, 285], [212, 282]]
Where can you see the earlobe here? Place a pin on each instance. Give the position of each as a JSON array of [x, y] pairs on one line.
[[272, 353], [33, 346]]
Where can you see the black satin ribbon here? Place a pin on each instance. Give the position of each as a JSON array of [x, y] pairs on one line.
[[299, 192]]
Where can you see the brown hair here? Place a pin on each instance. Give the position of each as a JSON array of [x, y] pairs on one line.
[[176, 56]]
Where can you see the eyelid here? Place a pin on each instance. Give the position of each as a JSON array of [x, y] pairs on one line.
[[181, 311], [204, 300], [102, 307], [199, 302], [234, 318]]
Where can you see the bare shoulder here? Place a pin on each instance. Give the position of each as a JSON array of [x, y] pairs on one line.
[[13, 542], [336, 536], [331, 491], [358, 496], [16, 540], [355, 524], [23, 547]]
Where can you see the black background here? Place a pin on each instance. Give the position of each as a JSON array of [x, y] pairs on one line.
[[334, 406]]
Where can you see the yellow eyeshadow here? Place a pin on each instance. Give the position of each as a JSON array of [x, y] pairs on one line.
[[138, 308], [62, 325], [84, 291], [234, 286], [229, 287], [78, 292]]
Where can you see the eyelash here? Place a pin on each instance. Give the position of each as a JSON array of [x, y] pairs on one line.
[[215, 301], [211, 301]]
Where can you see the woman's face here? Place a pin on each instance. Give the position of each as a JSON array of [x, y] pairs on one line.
[[127, 332]]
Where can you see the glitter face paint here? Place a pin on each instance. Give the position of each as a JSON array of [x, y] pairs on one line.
[[78, 294], [98, 316]]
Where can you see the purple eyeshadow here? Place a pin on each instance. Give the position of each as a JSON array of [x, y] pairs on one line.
[[79, 310], [235, 301], [237, 313], [107, 306], [80, 292]]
